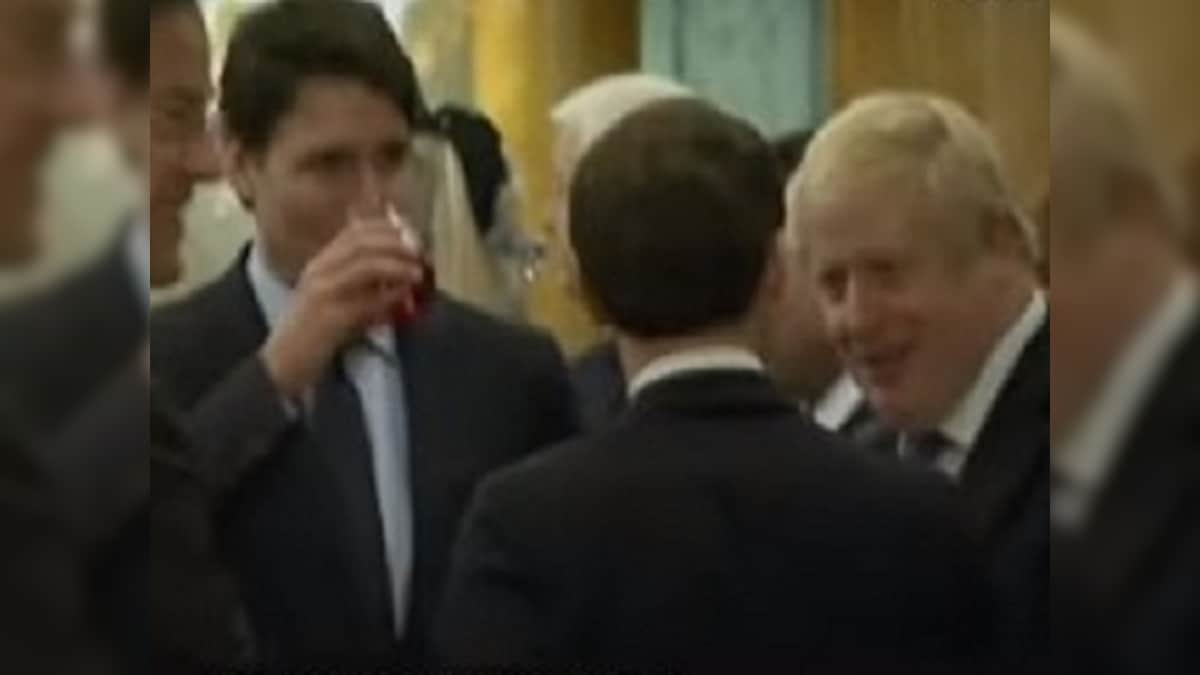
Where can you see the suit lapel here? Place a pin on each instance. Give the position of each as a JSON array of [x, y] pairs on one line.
[[429, 362], [239, 326], [1013, 448], [1151, 485]]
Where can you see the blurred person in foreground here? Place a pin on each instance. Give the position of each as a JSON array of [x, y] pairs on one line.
[[42, 340], [713, 526], [378, 404], [1126, 353], [44, 626], [156, 593], [159, 117], [581, 119], [801, 356], [922, 261]]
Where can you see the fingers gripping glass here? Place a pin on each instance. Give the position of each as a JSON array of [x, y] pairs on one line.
[[414, 304]]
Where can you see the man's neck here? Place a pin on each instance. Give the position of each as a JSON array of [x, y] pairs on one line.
[[637, 353]]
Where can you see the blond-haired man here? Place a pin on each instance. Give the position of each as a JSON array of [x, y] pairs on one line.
[[1126, 354], [923, 266], [904, 221]]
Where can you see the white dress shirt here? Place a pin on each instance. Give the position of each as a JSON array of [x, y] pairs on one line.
[[374, 367], [1086, 458], [137, 255], [839, 403], [962, 426], [693, 360]]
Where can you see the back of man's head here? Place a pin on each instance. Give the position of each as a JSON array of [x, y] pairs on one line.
[[279, 46], [124, 29], [673, 214]]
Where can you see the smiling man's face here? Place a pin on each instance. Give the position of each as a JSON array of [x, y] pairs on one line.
[[910, 315]]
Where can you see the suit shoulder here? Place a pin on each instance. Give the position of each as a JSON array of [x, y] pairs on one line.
[[497, 336], [188, 309], [467, 317], [182, 325], [541, 482]]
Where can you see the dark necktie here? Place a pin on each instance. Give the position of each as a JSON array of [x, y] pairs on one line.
[[926, 449], [865, 430], [340, 435]]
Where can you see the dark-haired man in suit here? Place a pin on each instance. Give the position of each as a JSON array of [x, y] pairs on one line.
[[375, 428]]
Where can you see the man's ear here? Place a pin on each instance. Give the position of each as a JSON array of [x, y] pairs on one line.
[[1005, 235], [239, 166], [776, 270]]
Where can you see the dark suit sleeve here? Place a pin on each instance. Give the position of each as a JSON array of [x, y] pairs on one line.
[[42, 625], [99, 462], [492, 610], [558, 412], [236, 424]]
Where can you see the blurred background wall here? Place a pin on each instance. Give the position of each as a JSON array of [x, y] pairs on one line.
[[784, 64], [1157, 40]]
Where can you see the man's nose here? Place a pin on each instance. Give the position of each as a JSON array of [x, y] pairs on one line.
[[204, 162]]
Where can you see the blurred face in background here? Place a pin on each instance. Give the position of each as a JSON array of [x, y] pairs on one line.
[[911, 304], [342, 149], [800, 354], [35, 103], [566, 158], [175, 150]]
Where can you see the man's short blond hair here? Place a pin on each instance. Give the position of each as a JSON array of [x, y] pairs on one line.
[[1100, 134], [589, 112], [913, 136]]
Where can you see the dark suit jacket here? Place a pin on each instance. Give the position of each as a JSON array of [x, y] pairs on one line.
[[197, 620], [43, 622], [1126, 594], [599, 386], [713, 528], [301, 530], [1010, 465], [60, 346]]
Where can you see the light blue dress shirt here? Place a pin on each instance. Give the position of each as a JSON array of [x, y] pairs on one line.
[[137, 253], [374, 366]]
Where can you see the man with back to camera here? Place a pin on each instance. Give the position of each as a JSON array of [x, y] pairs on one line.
[[375, 430], [712, 526]]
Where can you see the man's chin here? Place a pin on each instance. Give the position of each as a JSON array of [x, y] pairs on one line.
[[895, 409]]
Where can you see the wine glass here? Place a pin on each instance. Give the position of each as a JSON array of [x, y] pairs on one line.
[[414, 305]]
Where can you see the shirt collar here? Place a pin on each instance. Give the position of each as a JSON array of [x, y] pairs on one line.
[[838, 404], [137, 255], [1089, 452], [274, 297], [964, 424], [694, 360]]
